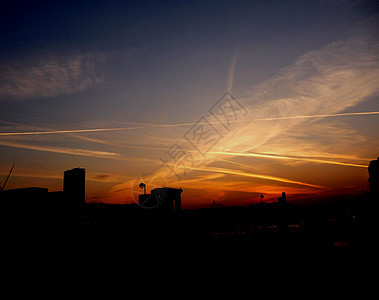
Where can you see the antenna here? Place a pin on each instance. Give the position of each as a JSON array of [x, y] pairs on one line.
[[6, 180]]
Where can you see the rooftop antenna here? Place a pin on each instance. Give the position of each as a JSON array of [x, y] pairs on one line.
[[143, 186], [6, 180]]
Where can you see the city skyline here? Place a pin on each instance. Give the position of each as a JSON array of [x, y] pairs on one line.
[[227, 100]]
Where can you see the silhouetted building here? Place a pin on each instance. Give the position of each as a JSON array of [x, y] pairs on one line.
[[74, 185], [282, 201], [373, 180], [169, 197], [24, 207], [166, 199], [25, 195]]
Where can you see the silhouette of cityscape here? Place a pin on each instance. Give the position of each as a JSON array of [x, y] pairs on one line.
[[159, 217]]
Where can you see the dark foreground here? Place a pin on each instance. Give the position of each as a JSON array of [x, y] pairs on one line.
[[140, 232]]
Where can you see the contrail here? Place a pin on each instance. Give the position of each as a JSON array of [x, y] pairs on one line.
[[86, 152], [28, 175], [291, 158], [154, 125], [80, 152], [260, 155], [141, 126], [319, 116], [260, 119], [268, 177], [68, 131], [232, 67], [230, 153]]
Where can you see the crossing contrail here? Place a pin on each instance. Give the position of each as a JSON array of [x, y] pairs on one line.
[[320, 116], [154, 125], [267, 177], [291, 158], [68, 131]]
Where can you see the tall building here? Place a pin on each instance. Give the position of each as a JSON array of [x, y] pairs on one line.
[[282, 201], [74, 185], [373, 180]]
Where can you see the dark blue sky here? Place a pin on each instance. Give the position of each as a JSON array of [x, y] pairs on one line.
[[120, 24], [189, 40]]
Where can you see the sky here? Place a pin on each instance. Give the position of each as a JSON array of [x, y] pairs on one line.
[[226, 99]]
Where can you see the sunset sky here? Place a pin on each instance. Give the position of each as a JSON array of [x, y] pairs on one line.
[[226, 99]]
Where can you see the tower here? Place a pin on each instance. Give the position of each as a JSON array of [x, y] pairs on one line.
[[74, 185], [282, 201]]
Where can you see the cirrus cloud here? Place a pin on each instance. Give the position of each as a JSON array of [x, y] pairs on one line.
[[51, 76]]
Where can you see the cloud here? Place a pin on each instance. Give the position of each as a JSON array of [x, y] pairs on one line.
[[50, 76], [320, 84], [102, 177], [283, 112]]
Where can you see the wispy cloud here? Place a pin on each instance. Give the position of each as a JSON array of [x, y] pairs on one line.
[[50, 76], [320, 84], [107, 177], [331, 141]]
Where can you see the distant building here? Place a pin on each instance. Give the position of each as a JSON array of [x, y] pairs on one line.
[[74, 185], [29, 194], [282, 201], [373, 180]]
